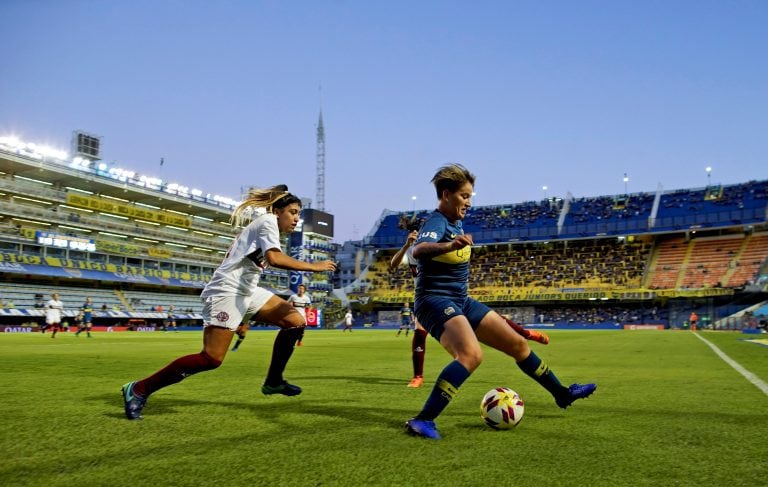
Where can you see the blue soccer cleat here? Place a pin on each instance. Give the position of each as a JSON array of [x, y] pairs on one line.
[[575, 391], [423, 428], [285, 389], [133, 402]]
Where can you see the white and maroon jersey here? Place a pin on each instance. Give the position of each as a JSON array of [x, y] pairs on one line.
[[300, 303], [412, 263], [53, 309], [239, 274]]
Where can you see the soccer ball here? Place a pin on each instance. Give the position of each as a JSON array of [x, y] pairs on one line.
[[502, 408]]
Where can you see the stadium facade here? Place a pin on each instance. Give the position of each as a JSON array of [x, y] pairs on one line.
[[135, 244]]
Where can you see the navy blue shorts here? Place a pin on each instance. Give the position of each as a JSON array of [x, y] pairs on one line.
[[434, 311]]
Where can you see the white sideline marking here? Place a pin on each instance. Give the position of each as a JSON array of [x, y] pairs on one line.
[[759, 383]]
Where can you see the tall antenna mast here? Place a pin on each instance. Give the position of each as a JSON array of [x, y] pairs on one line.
[[320, 183]]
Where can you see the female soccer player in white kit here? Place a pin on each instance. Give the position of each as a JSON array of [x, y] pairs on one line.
[[232, 296], [53, 309]]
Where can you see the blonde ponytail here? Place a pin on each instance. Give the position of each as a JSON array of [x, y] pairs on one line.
[[257, 198]]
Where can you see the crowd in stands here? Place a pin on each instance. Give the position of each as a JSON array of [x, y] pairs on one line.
[[598, 314], [560, 264], [585, 210], [584, 263], [544, 212], [737, 196], [713, 206]]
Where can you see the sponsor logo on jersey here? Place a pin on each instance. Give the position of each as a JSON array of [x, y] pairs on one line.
[[449, 310]]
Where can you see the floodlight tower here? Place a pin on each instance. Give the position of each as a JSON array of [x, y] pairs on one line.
[[320, 183]]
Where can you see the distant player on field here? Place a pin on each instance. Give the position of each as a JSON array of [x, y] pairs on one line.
[[86, 313], [170, 319], [348, 321], [406, 319], [233, 295], [53, 310]]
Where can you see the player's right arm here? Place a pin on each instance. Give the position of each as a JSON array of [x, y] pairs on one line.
[[276, 258]]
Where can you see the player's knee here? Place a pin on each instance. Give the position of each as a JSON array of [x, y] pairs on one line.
[[209, 362], [471, 359]]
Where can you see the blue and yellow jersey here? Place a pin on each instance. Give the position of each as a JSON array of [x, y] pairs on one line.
[[445, 274], [87, 310], [406, 313]]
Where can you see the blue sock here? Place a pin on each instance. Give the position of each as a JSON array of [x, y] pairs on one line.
[[539, 371], [446, 386]]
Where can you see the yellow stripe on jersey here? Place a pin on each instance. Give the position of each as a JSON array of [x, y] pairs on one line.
[[455, 256]]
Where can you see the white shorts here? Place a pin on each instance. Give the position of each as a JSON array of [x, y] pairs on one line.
[[230, 311]]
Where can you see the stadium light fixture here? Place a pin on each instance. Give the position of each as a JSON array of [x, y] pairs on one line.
[[708, 169], [544, 188], [148, 223], [31, 221], [32, 200], [626, 180], [113, 235], [147, 206], [115, 198], [76, 209], [33, 180], [113, 216], [78, 190], [76, 228]]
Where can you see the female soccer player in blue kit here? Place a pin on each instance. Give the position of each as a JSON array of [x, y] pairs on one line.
[[457, 321]]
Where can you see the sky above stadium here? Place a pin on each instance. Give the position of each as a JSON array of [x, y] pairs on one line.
[[563, 94]]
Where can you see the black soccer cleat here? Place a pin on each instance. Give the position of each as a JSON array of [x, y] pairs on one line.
[[284, 388]]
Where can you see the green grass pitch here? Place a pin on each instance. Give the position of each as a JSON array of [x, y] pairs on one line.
[[667, 411]]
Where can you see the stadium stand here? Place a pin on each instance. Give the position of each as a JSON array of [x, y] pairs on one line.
[[135, 244], [661, 254], [593, 217], [138, 245]]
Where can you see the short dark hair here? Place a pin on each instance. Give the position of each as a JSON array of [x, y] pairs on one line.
[[451, 177]]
